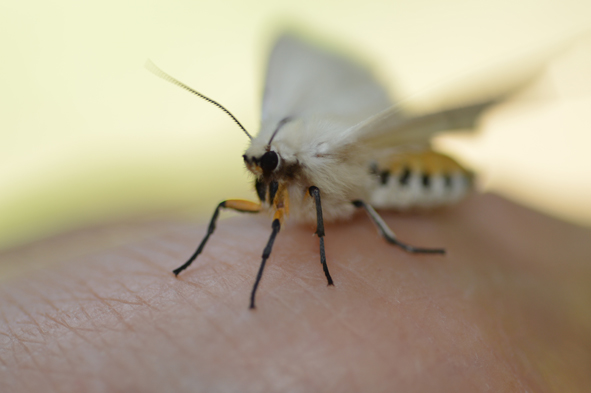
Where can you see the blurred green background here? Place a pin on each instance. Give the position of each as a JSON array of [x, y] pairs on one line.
[[88, 136]]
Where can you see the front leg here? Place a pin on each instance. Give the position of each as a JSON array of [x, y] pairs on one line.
[[315, 193], [238, 205]]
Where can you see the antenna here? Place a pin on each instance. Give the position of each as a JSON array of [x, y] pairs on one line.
[[281, 123], [158, 72]]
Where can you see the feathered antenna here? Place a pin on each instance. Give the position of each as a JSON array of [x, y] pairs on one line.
[[158, 72]]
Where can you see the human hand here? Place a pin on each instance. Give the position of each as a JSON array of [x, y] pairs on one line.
[[507, 309]]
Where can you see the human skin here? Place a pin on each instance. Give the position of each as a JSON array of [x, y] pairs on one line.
[[508, 309]]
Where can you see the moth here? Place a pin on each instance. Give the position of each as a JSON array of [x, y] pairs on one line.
[[331, 142]]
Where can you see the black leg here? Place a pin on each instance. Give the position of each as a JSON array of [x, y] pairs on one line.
[[238, 205], [276, 225], [389, 235], [315, 193]]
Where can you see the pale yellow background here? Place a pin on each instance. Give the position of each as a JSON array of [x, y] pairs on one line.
[[87, 135]]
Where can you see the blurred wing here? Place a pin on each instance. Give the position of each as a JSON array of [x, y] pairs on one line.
[[389, 128], [304, 81], [344, 102]]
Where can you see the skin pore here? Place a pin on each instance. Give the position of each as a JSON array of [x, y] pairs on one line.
[[508, 308]]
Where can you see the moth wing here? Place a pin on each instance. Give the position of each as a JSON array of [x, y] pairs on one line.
[[307, 82], [390, 128], [393, 127], [345, 102]]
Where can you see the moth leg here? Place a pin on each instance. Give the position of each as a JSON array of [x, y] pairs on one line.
[[234, 204], [389, 235], [276, 225], [315, 193]]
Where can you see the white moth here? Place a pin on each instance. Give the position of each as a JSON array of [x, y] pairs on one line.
[[331, 141]]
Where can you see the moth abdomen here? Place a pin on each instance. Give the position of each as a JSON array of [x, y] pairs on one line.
[[419, 179]]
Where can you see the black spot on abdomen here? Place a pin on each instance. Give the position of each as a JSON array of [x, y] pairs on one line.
[[384, 176], [404, 177]]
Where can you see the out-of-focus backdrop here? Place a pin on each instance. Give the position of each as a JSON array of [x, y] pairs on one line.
[[88, 136]]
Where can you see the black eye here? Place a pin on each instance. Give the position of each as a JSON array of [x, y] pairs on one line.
[[269, 162]]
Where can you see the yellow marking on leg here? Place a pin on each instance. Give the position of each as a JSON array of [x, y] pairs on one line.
[[279, 215], [243, 205], [281, 203]]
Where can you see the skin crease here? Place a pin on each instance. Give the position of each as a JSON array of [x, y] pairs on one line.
[[507, 309]]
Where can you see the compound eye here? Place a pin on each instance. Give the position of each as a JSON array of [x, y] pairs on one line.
[[269, 162]]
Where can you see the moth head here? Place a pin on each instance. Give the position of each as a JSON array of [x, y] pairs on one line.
[[263, 160], [262, 164]]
